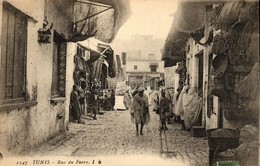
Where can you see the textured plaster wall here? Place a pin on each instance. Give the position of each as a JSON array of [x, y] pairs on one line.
[[29, 126], [71, 51]]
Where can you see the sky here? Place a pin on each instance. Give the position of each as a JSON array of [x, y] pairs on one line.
[[149, 17]]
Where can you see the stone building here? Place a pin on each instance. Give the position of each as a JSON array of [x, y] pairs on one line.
[[143, 64]]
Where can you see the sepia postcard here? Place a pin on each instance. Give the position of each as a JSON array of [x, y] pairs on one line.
[[129, 82]]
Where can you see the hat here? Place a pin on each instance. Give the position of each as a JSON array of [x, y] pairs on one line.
[[140, 89]]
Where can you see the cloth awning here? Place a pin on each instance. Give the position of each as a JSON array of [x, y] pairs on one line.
[[121, 8], [174, 47], [189, 16], [198, 34], [108, 53], [99, 18]]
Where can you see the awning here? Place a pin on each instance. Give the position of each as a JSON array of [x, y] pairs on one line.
[[172, 61], [174, 47], [189, 16], [122, 10], [99, 18], [198, 34], [108, 53]]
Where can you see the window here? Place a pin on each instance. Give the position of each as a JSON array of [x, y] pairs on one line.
[[13, 54], [153, 68], [59, 66], [135, 67]]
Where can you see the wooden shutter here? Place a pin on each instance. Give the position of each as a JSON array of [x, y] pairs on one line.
[[13, 56]]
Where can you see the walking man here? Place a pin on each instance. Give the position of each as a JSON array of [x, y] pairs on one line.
[[163, 108], [141, 110]]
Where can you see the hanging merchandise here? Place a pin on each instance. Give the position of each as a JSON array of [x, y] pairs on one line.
[[229, 15], [252, 52], [248, 88], [219, 44], [218, 88], [219, 65]]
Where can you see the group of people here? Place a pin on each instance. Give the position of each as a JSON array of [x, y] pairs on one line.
[[139, 101], [77, 104], [185, 105], [188, 107]]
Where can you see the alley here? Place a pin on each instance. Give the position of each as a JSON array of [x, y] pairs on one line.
[[113, 133]]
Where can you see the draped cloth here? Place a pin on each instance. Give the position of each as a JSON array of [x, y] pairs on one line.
[[189, 16], [192, 105], [141, 109], [179, 105]]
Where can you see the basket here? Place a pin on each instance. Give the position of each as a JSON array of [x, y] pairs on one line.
[[219, 65], [225, 139], [218, 88]]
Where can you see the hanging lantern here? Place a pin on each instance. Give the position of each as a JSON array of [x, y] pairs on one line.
[[44, 35]]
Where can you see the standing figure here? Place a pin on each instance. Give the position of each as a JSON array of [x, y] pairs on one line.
[[75, 106], [146, 92], [164, 107], [141, 110], [82, 97], [92, 104], [108, 102], [179, 106], [154, 97], [113, 99], [127, 99], [192, 106]]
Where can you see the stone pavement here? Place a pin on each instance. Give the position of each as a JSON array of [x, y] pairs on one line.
[[113, 134], [180, 145]]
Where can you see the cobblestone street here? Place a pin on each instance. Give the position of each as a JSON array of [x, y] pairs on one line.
[[113, 133]]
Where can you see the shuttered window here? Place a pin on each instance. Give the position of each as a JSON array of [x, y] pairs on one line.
[[59, 66], [153, 68], [13, 54]]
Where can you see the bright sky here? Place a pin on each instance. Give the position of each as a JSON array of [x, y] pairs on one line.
[[149, 17]]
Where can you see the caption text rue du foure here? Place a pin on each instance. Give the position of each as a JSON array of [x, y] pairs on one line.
[[58, 162]]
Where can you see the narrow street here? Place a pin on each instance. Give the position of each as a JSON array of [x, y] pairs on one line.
[[113, 134]]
